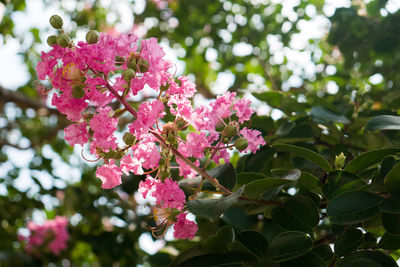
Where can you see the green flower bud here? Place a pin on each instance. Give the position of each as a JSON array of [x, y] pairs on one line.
[[143, 65], [56, 22], [181, 124], [131, 63], [171, 137], [52, 40], [225, 140], [164, 174], [231, 130], [92, 37], [339, 161], [128, 75], [241, 143], [129, 139], [77, 90], [63, 40]]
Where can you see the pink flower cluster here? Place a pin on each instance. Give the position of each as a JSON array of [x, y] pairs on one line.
[[169, 198], [91, 78], [52, 234]]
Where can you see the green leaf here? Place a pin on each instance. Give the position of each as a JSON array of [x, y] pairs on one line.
[[383, 122], [307, 154], [390, 206], [349, 241], [247, 177], [391, 222], [324, 251], [219, 241], [254, 241], [214, 259], [309, 260], [389, 241], [272, 98], [372, 258], [392, 179], [187, 254], [212, 209], [297, 213], [369, 158], [323, 113], [256, 188], [353, 207], [289, 245], [339, 182], [309, 183], [225, 174]]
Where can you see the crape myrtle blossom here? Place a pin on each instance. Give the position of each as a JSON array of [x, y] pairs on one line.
[[94, 83], [52, 235]]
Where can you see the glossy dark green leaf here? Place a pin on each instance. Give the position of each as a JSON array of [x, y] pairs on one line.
[[349, 241], [383, 122], [256, 188], [353, 207], [390, 206], [369, 158], [225, 174], [309, 260], [339, 182], [309, 183], [254, 241], [323, 113], [307, 154], [214, 259], [187, 254], [372, 258], [298, 213], [212, 209], [324, 251], [247, 177], [391, 222], [392, 179], [289, 245], [219, 241], [272, 98], [389, 241]]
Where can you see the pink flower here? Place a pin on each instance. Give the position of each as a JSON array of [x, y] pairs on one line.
[[70, 106], [254, 139], [243, 110], [147, 115], [169, 195], [148, 186], [131, 164], [53, 233], [109, 174], [76, 134], [185, 170], [221, 108], [183, 228], [194, 145], [103, 127], [146, 152]]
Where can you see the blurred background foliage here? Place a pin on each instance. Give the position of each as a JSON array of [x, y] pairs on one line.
[[316, 74]]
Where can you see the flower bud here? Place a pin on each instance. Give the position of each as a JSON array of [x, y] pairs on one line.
[[92, 37], [119, 61], [181, 124], [77, 90], [231, 130], [143, 65], [339, 161], [129, 139], [241, 143], [171, 138], [225, 140], [52, 40], [128, 75], [63, 40], [56, 22], [164, 174], [131, 63]]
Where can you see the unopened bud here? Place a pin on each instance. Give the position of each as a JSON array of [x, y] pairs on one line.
[[131, 63], [181, 124], [119, 61], [77, 91], [164, 174], [143, 65], [56, 22], [241, 143], [129, 139], [339, 161], [128, 75], [63, 40], [52, 40], [231, 130], [171, 137], [92, 37]]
